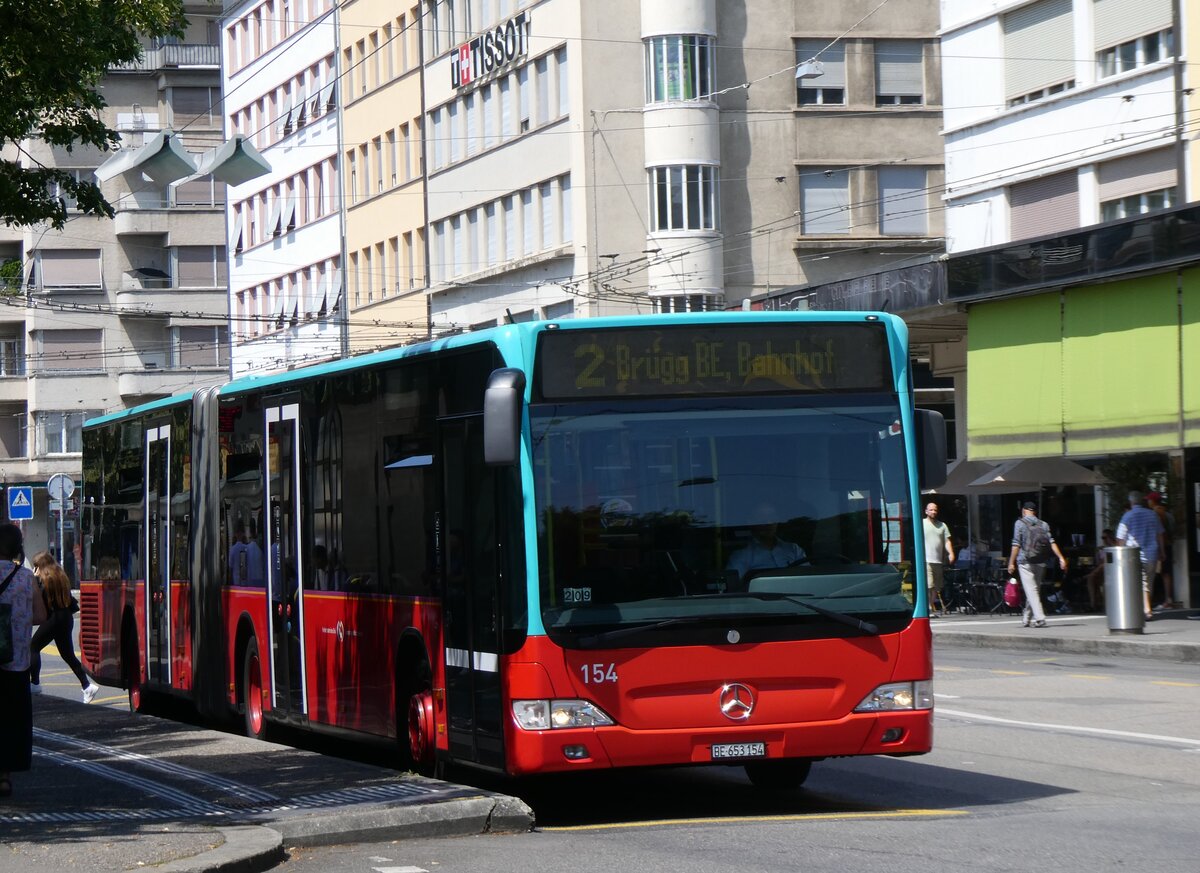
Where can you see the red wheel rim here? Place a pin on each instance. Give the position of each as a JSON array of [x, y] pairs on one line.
[[135, 695], [420, 727], [254, 709]]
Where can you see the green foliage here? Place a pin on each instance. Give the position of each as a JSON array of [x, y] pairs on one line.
[[10, 277], [53, 54]]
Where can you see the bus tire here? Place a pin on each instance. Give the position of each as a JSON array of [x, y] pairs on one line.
[[786, 775], [254, 720], [422, 745]]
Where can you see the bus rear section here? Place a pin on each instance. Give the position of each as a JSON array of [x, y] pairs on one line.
[[726, 551]]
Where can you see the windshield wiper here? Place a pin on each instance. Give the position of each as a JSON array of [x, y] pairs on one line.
[[864, 626]]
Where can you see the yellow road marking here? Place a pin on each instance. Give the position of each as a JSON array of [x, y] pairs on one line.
[[120, 697], [1175, 684], [763, 819], [948, 669], [1012, 673], [1039, 661], [1088, 676]]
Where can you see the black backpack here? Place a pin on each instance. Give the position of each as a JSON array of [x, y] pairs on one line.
[[1037, 543]]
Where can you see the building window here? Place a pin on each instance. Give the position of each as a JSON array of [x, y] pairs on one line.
[[195, 107], [1038, 50], [200, 267], [690, 303], [828, 89], [824, 201], [61, 433], [903, 201], [1135, 53], [70, 350], [69, 269], [683, 198], [1042, 93], [199, 347], [679, 68], [12, 356], [899, 72], [1137, 204]]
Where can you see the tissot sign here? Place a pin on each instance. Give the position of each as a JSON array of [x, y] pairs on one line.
[[490, 51]]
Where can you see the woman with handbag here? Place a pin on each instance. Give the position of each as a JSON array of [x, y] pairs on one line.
[[59, 626], [20, 609]]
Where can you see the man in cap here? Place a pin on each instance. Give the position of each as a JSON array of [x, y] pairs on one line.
[[1032, 544]]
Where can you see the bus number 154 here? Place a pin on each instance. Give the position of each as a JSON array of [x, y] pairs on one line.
[[598, 674]]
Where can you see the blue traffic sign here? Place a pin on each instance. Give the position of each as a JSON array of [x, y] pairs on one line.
[[20, 503]]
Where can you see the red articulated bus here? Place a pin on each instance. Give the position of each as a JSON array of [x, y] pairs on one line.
[[543, 547]]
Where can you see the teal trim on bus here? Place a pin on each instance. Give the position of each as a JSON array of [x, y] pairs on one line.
[[133, 412]]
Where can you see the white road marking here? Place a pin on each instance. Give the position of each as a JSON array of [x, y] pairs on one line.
[[947, 696], [1105, 732], [400, 870]]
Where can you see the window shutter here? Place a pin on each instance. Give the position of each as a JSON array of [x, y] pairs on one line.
[[1137, 174], [73, 268], [194, 266], [899, 68], [832, 60], [1119, 21], [197, 347], [1039, 46], [1044, 206], [71, 350], [825, 201], [903, 201]]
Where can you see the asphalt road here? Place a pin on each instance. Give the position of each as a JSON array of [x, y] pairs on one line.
[[1063, 763]]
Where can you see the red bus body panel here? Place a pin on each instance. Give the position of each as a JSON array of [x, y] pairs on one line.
[[665, 702]]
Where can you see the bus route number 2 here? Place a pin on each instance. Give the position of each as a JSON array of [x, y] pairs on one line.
[[598, 674]]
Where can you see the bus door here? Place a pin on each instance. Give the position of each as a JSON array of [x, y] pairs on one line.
[[156, 554], [468, 544], [285, 592]]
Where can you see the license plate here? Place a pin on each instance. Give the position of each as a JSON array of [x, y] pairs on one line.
[[739, 750]]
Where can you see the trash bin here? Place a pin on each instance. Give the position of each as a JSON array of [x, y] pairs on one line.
[[1123, 590]]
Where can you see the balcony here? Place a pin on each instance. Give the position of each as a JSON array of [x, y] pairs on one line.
[[166, 57]]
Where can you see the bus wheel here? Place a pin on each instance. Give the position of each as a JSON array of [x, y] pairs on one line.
[[786, 775], [420, 732], [252, 693], [132, 667]]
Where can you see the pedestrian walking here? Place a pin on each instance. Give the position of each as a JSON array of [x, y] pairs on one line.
[[1140, 527], [59, 625], [1032, 546], [20, 608]]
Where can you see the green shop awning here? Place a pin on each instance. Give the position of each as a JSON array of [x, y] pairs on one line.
[[1014, 385], [1088, 371]]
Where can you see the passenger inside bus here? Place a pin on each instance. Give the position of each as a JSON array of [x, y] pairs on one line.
[[765, 551]]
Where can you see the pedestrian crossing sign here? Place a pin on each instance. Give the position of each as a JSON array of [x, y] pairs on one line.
[[20, 503]]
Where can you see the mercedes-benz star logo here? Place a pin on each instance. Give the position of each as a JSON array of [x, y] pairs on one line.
[[737, 701]]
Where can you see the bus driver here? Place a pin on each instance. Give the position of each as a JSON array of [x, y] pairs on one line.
[[766, 551]]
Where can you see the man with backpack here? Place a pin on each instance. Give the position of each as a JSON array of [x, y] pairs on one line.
[[1032, 548]]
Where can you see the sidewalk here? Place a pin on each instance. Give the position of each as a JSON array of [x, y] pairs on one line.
[[114, 791], [1171, 636]]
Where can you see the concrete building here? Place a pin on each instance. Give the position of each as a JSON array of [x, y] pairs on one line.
[[384, 185], [641, 156], [279, 73], [1059, 114], [109, 313]]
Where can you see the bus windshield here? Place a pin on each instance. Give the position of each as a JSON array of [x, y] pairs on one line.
[[722, 519]]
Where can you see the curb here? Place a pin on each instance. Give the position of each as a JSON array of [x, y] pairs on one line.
[[247, 849], [1185, 653], [465, 817]]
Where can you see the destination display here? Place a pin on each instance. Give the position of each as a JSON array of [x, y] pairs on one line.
[[712, 359]]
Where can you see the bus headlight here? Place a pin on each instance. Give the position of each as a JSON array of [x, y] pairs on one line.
[[541, 715], [897, 696]]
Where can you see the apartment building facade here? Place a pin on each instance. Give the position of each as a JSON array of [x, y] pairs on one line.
[[106, 314], [280, 79]]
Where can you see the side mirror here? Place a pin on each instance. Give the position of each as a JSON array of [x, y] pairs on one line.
[[502, 417], [931, 448]]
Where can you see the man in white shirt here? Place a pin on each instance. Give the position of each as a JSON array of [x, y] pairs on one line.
[[938, 546]]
